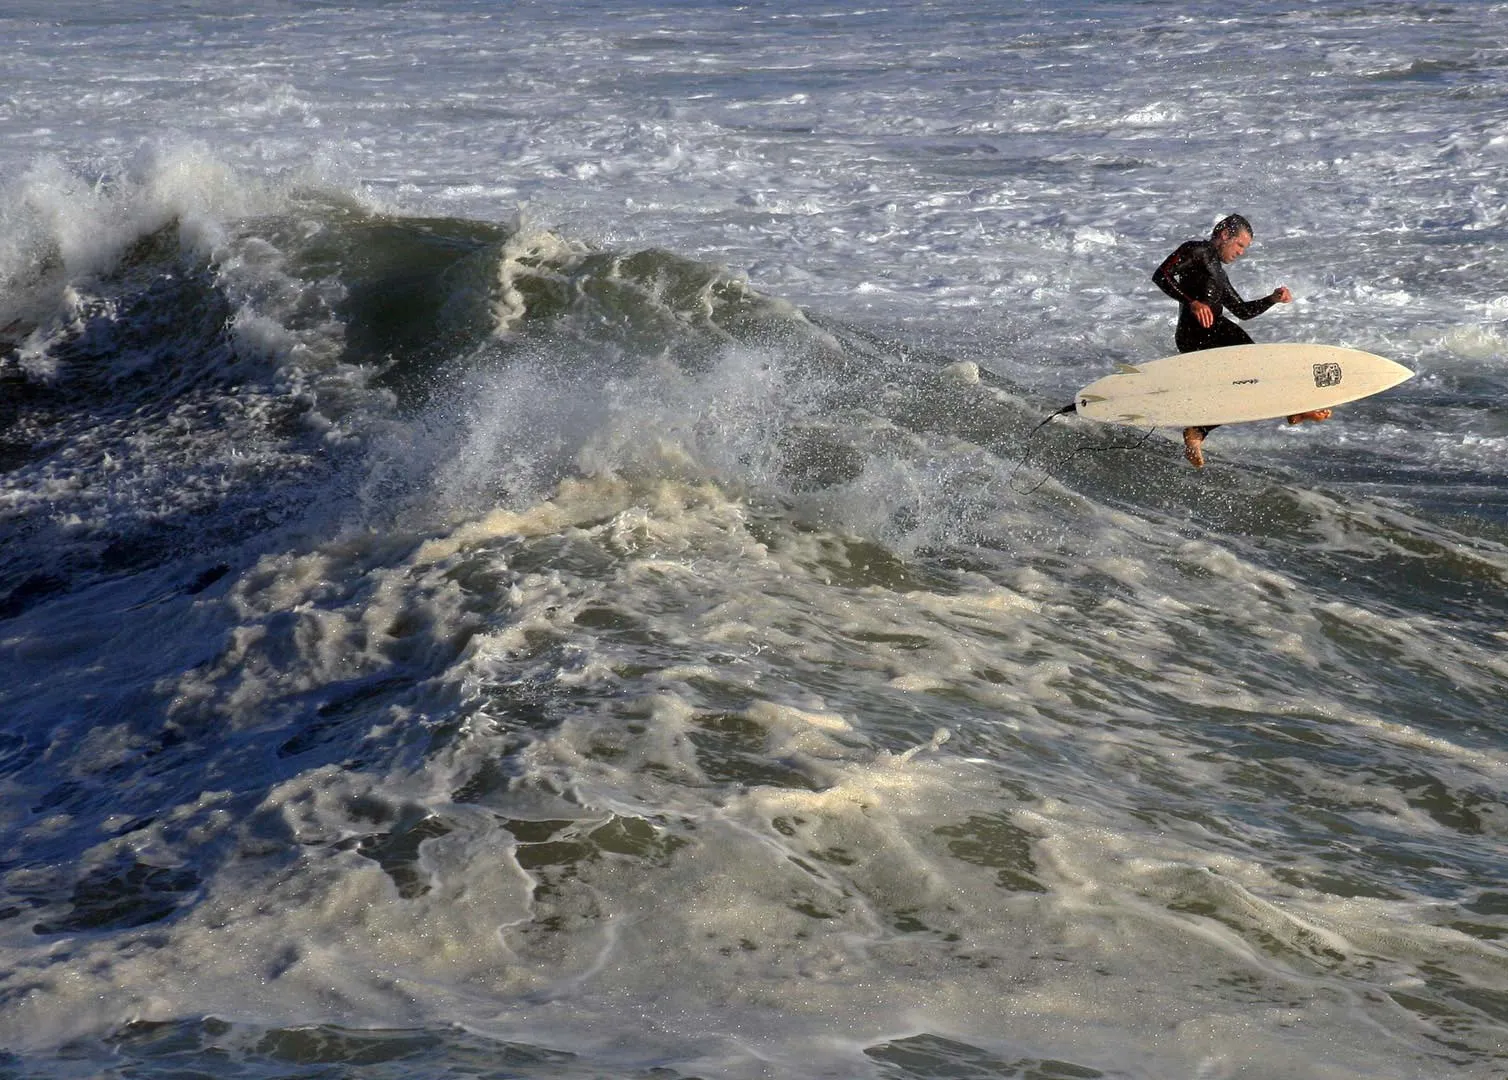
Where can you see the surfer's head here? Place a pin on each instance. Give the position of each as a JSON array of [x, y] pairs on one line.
[[1231, 237]]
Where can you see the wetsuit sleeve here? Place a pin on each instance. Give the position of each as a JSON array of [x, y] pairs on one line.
[[1164, 276], [1245, 309]]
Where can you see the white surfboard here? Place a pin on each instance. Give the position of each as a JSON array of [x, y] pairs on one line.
[[1236, 384]]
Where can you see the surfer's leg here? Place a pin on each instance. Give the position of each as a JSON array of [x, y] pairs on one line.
[[1191, 337], [1193, 444], [1225, 334], [1317, 416]]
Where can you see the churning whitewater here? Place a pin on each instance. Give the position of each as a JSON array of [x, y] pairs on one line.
[[531, 547]]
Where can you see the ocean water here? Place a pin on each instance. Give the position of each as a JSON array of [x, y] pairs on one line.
[[530, 548]]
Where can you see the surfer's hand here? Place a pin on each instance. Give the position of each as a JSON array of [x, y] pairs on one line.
[[1282, 295], [1203, 313]]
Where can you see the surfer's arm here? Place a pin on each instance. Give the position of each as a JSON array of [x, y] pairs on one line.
[[1250, 309], [1164, 278]]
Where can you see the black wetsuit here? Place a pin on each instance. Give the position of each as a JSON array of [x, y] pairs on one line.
[[1195, 272]]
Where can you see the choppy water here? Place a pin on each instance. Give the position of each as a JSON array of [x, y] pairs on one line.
[[528, 550]]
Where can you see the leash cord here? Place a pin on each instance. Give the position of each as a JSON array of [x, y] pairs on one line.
[[1082, 448]]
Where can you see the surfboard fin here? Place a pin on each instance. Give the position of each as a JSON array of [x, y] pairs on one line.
[[1127, 369]]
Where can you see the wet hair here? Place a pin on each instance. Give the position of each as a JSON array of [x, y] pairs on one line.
[[1232, 225]]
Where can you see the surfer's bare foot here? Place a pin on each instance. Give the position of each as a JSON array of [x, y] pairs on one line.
[[1317, 416], [1193, 446]]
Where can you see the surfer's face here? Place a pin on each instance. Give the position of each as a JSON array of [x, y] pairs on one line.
[[1231, 246]]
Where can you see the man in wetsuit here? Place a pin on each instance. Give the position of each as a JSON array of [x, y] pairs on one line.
[[1194, 275]]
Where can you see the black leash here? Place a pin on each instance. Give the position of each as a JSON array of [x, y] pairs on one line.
[[1082, 448]]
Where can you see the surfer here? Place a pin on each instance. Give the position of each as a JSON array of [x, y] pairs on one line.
[[1194, 275]]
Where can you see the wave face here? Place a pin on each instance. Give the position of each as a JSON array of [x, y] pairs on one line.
[[531, 547]]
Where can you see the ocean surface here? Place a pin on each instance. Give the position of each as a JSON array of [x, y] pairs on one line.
[[530, 548]]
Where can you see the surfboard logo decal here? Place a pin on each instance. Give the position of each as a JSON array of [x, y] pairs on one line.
[[1327, 374]]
